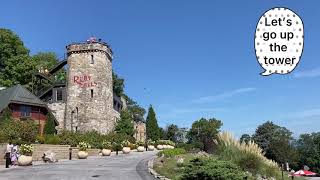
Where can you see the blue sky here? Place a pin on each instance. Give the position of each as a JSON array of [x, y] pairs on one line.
[[189, 59]]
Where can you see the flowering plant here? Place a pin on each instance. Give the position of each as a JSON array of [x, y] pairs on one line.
[[83, 146], [150, 142], [125, 143], [26, 149], [140, 143], [106, 145]]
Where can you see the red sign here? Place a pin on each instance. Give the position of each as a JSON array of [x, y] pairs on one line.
[[84, 81]]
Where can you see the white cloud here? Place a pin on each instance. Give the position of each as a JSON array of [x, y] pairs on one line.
[[308, 73], [224, 95]]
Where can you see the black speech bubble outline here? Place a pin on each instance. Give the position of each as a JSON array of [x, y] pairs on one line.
[[285, 8]]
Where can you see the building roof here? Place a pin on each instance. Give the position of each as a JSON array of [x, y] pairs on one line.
[[20, 95]]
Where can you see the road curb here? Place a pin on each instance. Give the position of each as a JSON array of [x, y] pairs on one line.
[[153, 172]]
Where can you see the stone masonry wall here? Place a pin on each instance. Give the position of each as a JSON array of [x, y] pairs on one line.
[[89, 88], [58, 110]]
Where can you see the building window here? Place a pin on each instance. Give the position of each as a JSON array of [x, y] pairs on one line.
[[25, 111], [92, 59], [91, 93], [59, 95]]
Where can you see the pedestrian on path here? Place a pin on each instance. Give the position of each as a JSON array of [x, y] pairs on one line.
[[14, 155], [8, 153]]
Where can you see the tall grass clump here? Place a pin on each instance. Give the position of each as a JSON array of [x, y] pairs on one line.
[[249, 156]]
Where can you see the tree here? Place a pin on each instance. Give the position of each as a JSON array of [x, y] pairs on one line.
[[275, 141], [5, 116], [48, 60], [152, 127], [118, 84], [133, 106], [308, 147], [125, 124], [245, 138], [172, 130], [16, 66], [203, 132], [50, 126], [163, 133], [10, 46]]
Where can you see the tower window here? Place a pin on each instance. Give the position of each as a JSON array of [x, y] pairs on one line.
[[91, 93], [92, 59], [59, 95]]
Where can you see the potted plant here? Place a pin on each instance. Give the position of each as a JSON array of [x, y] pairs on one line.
[[26, 155], [140, 146], [160, 145], [106, 148], [116, 146], [150, 145], [83, 154], [126, 147]]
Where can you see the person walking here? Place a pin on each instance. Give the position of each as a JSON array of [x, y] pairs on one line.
[[14, 155], [8, 154]]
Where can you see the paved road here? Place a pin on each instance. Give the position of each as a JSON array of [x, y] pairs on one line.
[[132, 166]]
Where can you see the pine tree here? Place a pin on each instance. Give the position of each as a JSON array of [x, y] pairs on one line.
[[153, 130], [49, 127], [125, 124]]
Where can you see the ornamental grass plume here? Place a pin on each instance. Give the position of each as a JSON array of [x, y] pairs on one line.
[[249, 156]]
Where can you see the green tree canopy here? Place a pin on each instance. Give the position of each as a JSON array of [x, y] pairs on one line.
[[118, 84], [171, 132], [203, 132], [125, 124], [275, 142], [308, 147], [152, 127], [245, 138]]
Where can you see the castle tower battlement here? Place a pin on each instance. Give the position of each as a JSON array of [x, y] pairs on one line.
[[89, 88]]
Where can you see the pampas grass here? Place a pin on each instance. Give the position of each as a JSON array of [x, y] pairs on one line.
[[249, 156]]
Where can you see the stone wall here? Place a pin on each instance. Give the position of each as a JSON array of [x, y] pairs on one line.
[[62, 151], [58, 110], [89, 88], [140, 133]]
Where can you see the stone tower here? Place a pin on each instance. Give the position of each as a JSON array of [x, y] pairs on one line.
[[89, 88]]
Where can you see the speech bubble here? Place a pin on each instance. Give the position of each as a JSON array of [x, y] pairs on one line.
[[279, 41]]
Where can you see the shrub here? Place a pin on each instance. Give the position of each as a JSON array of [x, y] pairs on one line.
[[150, 142], [116, 146], [188, 147], [94, 138], [50, 125], [70, 138], [125, 143], [140, 143], [171, 152], [211, 169], [52, 139], [165, 142], [40, 139], [83, 146], [106, 145], [19, 132], [133, 146], [246, 155], [26, 149]]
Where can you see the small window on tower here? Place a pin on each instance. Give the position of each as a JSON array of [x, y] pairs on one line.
[[91, 93], [59, 95], [92, 59]]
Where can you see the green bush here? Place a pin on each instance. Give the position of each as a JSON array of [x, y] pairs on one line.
[[188, 147], [52, 139], [40, 139], [50, 126], [171, 152], [165, 142], [211, 169], [19, 132]]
